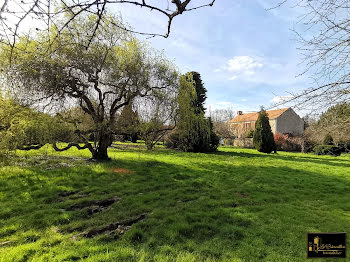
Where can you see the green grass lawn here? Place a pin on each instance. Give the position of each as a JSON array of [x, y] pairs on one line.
[[232, 205]]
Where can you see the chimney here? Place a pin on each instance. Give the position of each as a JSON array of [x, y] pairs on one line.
[[239, 113]]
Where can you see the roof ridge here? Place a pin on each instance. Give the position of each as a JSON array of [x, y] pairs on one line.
[[248, 117]]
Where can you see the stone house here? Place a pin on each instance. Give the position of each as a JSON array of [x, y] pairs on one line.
[[284, 121]]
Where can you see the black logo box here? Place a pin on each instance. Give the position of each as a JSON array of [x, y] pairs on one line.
[[326, 245]]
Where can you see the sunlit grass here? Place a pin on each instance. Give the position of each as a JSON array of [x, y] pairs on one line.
[[232, 205]]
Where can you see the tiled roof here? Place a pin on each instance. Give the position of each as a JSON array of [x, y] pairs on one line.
[[273, 114]]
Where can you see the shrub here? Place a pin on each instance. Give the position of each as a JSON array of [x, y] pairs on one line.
[[280, 140], [328, 140], [327, 150], [288, 143], [263, 137]]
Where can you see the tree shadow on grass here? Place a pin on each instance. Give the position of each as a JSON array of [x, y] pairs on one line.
[[207, 208]]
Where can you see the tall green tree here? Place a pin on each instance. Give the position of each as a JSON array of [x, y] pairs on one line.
[[201, 91], [263, 137], [100, 79], [194, 132]]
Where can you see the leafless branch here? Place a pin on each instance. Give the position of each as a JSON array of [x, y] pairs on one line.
[[46, 12], [323, 35]]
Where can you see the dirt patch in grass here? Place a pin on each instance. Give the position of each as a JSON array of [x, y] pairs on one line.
[[94, 206], [122, 170], [115, 228], [71, 195], [67, 193]]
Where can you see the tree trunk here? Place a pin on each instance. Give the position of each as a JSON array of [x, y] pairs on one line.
[[101, 151]]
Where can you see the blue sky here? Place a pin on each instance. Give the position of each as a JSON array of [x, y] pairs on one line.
[[246, 55]]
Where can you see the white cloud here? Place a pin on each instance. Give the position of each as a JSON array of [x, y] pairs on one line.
[[279, 99], [241, 65], [265, 70]]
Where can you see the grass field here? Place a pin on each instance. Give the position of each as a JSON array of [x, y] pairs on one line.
[[232, 205]]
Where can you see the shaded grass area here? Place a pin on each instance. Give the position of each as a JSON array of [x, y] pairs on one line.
[[232, 205]]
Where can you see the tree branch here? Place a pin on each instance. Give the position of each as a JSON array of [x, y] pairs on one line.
[[27, 148], [86, 146]]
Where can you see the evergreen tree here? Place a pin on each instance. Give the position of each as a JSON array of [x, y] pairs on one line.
[[194, 131], [201, 91], [263, 137], [214, 138]]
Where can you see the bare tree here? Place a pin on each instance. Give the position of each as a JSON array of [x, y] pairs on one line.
[[220, 118], [334, 122], [157, 116], [15, 14], [323, 34], [100, 80]]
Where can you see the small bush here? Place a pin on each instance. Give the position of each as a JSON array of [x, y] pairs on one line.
[[327, 150], [280, 140], [288, 143]]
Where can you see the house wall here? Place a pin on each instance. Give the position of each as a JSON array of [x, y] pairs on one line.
[[273, 125], [239, 129], [289, 122]]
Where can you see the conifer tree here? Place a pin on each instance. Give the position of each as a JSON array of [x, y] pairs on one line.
[[263, 137], [194, 132], [201, 91]]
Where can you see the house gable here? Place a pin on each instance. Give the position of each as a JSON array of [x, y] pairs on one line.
[[290, 123]]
